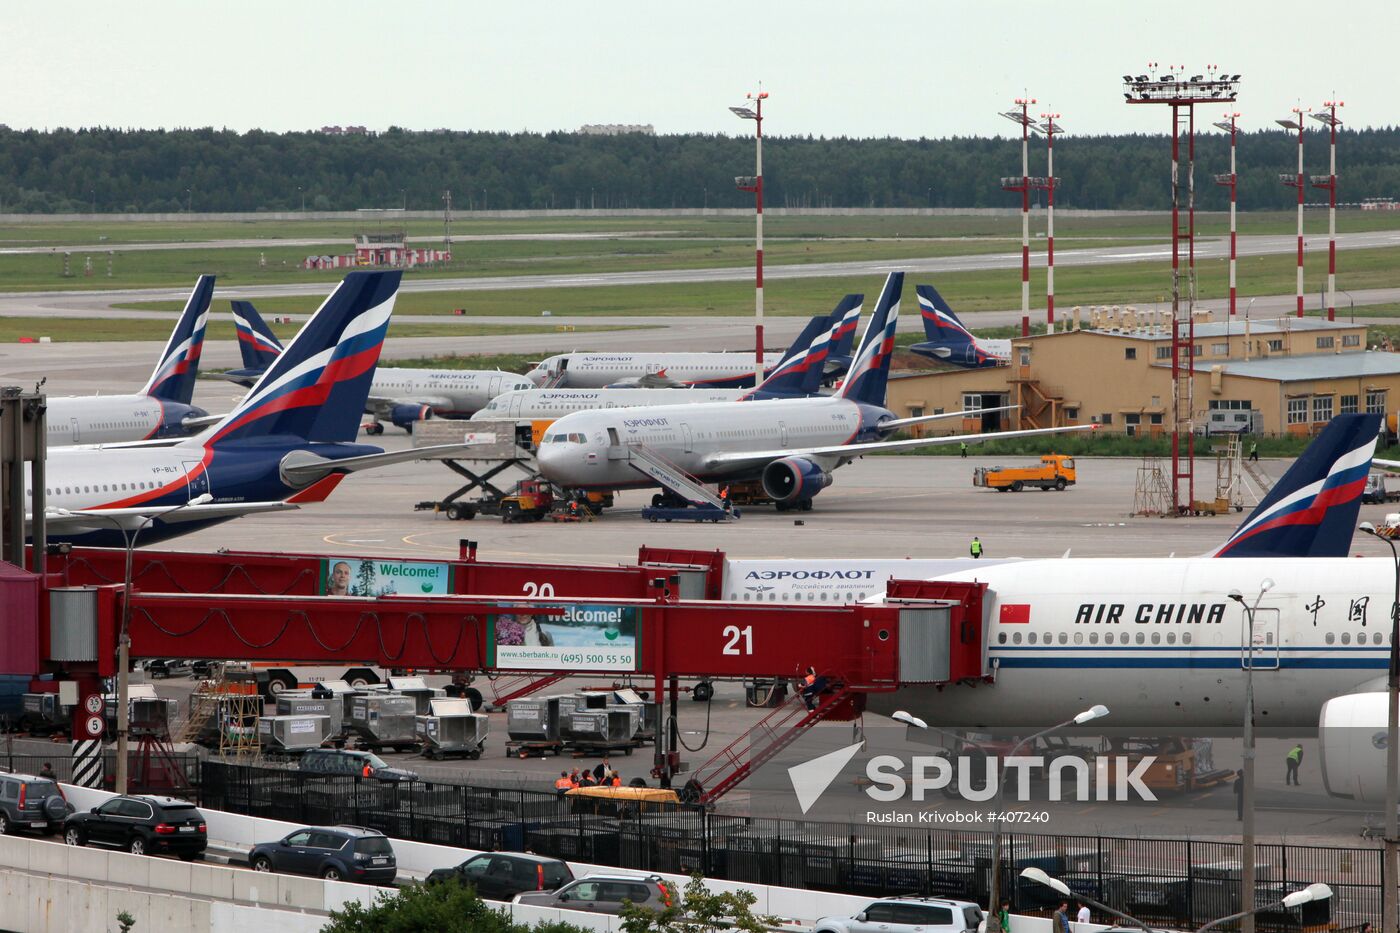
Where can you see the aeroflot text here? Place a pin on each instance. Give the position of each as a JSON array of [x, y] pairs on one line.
[[809, 575], [1121, 781]]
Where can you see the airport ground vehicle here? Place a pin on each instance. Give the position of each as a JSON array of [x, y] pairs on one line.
[[336, 853], [142, 825], [604, 894], [907, 915], [531, 501], [349, 761], [1380, 488], [30, 802], [502, 875], [1055, 471]]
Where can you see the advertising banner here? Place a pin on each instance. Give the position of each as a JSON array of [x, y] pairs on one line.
[[380, 576], [584, 638]]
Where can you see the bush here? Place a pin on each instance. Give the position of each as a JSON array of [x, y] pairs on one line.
[[432, 908], [700, 911]]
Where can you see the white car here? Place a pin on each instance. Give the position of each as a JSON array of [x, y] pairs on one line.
[[907, 915]]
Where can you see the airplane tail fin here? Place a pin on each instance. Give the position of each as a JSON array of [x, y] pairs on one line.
[[789, 376], [870, 368], [175, 373], [940, 323], [317, 389], [257, 344], [1311, 511], [844, 335]]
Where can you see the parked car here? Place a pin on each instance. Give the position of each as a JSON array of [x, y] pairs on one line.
[[29, 802], [907, 915], [336, 853], [142, 825], [502, 875], [604, 894], [348, 761], [160, 668]]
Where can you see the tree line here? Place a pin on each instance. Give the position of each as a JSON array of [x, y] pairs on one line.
[[209, 170]]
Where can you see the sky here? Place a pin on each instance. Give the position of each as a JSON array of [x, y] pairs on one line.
[[872, 68]]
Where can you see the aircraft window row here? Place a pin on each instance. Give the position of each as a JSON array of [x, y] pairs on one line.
[[1376, 638], [1109, 638], [104, 487], [821, 596], [102, 425]]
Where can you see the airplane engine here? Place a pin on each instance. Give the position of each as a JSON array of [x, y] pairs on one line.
[[403, 416], [793, 479], [1351, 746]]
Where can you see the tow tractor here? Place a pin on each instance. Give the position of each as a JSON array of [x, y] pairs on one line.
[[1055, 471]]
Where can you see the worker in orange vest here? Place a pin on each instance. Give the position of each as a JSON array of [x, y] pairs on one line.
[[563, 785], [616, 779], [368, 771]]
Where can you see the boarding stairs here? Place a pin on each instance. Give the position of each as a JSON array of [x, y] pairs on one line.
[[555, 380], [764, 740], [505, 689], [675, 480]]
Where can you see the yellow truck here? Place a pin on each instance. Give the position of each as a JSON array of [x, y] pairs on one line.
[[1055, 471]]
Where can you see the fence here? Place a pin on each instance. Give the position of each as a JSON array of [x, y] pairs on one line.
[[61, 762], [1165, 882]]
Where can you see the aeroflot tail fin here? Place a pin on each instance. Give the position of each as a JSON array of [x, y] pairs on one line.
[[870, 368], [257, 344], [175, 373], [1311, 511], [788, 377], [317, 389]]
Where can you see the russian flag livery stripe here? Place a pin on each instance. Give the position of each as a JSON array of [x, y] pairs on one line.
[[175, 373], [257, 345], [865, 381], [1312, 510], [947, 334]]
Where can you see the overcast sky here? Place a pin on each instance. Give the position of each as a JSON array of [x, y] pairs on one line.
[[872, 68]]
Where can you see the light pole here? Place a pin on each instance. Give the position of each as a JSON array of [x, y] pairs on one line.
[[755, 184], [1050, 128], [1231, 181], [301, 191], [1040, 877], [1094, 712], [1022, 117], [129, 535], [1247, 796], [1313, 892], [189, 200], [1329, 181], [1298, 181], [1392, 747]]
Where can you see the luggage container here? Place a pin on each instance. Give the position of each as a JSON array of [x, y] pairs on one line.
[[601, 730], [383, 720], [569, 703], [292, 735], [646, 712], [306, 703], [532, 726], [147, 713], [342, 693], [417, 688], [451, 728]]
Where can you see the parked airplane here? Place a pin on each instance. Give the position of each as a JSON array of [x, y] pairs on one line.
[[800, 373], [649, 370], [399, 396], [949, 341], [791, 445], [1163, 643], [287, 443], [161, 409]]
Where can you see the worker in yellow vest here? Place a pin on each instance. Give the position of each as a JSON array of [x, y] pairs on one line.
[[976, 549]]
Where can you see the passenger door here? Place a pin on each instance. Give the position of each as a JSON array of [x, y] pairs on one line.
[[293, 853], [581, 896], [878, 919], [1260, 649], [321, 847], [196, 478], [474, 872], [108, 822]]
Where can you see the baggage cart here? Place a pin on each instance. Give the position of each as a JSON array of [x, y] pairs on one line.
[[532, 726], [383, 720], [451, 728], [292, 735]]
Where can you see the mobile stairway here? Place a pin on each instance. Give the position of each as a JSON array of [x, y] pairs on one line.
[[700, 503]]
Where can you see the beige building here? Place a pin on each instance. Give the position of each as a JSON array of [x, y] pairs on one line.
[[1289, 375]]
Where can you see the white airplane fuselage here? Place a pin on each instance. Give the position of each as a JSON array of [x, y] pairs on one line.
[[543, 404], [111, 419], [466, 391], [596, 370]]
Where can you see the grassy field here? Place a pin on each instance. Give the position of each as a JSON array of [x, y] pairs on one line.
[[1093, 444], [65, 329]]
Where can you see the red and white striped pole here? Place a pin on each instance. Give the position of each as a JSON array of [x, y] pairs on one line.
[[1232, 182], [1298, 181], [755, 185], [1330, 118], [1050, 129], [1022, 116]]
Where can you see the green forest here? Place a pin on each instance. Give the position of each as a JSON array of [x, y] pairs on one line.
[[209, 170]]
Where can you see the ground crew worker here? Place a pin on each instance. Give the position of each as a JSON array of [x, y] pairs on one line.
[[616, 780], [573, 507], [976, 549], [587, 780], [962, 448], [367, 771], [1254, 451], [563, 785], [573, 778], [1293, 762]]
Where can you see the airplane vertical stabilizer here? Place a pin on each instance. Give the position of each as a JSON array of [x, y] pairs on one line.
[[175, 373], [257, 344], [786, 380], [870, 368]]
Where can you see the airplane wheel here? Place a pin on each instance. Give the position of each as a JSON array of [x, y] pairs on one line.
[[805, 505], [375, 429]]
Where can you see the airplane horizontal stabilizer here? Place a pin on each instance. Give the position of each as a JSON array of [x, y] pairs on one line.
[[925, 419], [317, 468]]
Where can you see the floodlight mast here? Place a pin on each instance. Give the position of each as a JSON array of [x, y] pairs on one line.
[[1298, 181], [1023, 185], [1329, 181], [1231, 181], [756, 186], [1171, 88], [1049, 128]]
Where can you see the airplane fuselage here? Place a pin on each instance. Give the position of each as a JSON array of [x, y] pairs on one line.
[[540, 404], [111, 419], [465, 391], [704, 370]]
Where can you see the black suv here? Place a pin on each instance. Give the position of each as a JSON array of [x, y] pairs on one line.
[[502, 875], [336, 853], [346, 761], [142, 826], [29, 802]]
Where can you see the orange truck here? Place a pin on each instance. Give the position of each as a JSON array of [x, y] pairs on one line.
[[1055, 471]]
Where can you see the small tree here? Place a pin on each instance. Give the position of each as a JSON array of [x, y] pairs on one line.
[[700, 911], [432, 908], [126, 921]]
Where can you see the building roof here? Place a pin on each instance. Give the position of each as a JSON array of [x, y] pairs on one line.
[[1311, 366], [1208, 330]]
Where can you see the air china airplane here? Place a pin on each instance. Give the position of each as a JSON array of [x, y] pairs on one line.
[[949, 341], [161, 409], [792, 445], [800, 373], [287, 443], [399, 396]]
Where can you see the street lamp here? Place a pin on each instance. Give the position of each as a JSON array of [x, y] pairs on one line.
[[1094, 712], [909, 719], [1040, 877], [1392, 745], [755, 184], [302, 191], [1247, 796], [129, 535], [1313, 892]]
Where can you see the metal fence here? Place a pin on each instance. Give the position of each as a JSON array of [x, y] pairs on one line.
[[1166, 882], [61, 763]]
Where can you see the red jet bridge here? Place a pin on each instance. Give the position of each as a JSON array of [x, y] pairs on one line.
[[266, 607]]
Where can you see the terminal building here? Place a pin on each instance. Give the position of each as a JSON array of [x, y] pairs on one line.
[[1279, 376]]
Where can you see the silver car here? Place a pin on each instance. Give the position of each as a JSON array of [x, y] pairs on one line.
[[907, 915], [604, 894]]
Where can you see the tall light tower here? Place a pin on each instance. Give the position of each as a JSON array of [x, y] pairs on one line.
[[1023, 185], [1048, 183], [1298, 181], [755, 184], [1170, 88], [1231, 181], [1329, 181]]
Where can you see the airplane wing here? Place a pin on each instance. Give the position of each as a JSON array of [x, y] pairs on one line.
[[843, 451], [1392, 464], [133, 518], [924, 419], [313, 467], [382, 407]]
